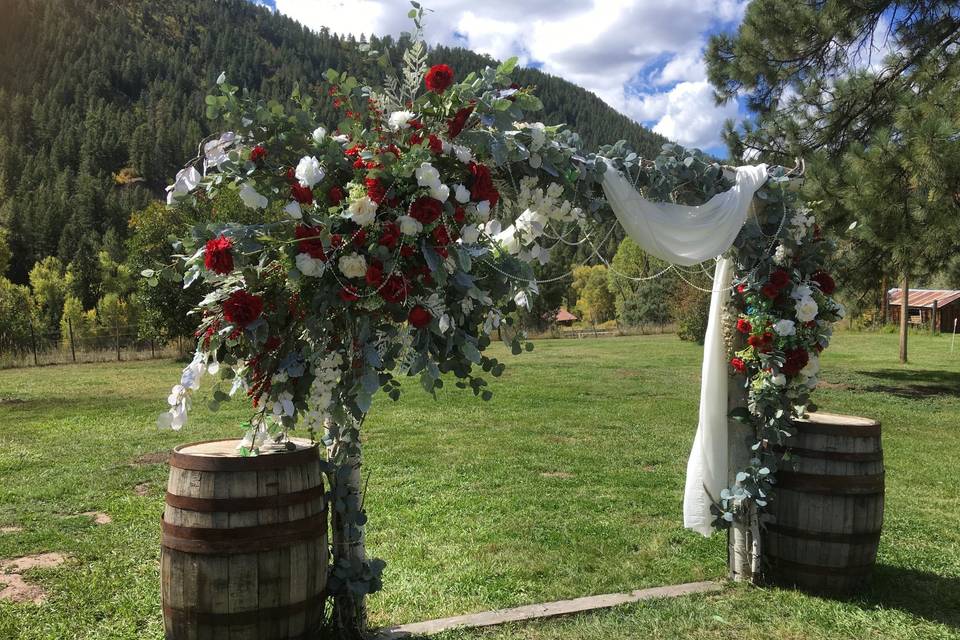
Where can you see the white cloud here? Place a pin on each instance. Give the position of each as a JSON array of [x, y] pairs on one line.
[[615, 48]]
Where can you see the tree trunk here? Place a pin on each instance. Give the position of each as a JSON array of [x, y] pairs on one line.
[[349, 550], [904, 311], [933, 319], [884, 301]]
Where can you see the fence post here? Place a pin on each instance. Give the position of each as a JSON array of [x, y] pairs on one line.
[[73, 348], [152, 353], [117, 333], [33, 343]]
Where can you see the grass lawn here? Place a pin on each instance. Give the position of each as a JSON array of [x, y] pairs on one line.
[[567, 484]]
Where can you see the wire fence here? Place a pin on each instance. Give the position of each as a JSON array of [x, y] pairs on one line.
[[104, 344]]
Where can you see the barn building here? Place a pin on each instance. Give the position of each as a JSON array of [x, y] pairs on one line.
[[921, 304]]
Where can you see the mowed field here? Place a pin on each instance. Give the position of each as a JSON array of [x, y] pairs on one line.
[[568, 483]]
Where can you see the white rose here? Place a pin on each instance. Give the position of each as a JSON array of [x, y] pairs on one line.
[[463, 154], [363, 211], [352, 265], [400, 120], [536, 161], [187, 180], [461, 194], [409, 226], [470, 233], [779, 379], [308, 266], [483, 210], [319, 134], [293, 210], [812, 367], [785, 328], [806, 309], [440, 192], [538, 135], [251, 197], [309, 172], [801, 291], [427, 175], [781, 255]]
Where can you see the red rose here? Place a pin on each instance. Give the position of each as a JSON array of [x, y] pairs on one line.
[[825, 282], [242, 308], [741, 289], [406, 250], [482, 186], [360, 238], [390, 235], [744, 326], [375, 190], [439, 78], [395, 289], [291, 175], [374, 274], [348, 293], [459, 120], [308, 241], [780, 278], [416, 125], [755, 341], [419, 317], [440, 236], [770, 290], [435, 144], [336, 195], [258, 153], [414, 139], [459, 215], [767, 337], [738, 365], [336, 240], [300, 193], [426, 210], [796, 359], [218, 256]]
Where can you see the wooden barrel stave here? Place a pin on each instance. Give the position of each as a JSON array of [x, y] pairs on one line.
[[828, 506], [273, 592]]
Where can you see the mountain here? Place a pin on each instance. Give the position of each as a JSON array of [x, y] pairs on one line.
[[101, 103]]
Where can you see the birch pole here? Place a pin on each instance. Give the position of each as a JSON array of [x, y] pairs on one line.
[[740, 436]]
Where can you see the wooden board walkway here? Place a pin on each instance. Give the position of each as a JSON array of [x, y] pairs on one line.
[[544, 610]]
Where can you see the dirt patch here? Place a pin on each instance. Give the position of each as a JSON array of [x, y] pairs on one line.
[[557, 474], [14, 588], [11, 529], [823, 384], [142, 489], [628, 373], [154, 457], [4, 400], [38, 561], [649, 468], [99, 517]]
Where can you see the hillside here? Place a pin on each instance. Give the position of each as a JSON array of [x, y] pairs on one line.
[[101, 102]]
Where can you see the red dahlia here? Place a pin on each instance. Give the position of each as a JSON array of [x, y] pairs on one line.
[[482, 186], [419, 317], [395, 289], [308, 241], [825, 282], [744, 326], [440, 236], [335, 195], [439, 78], [770, 290], [258, 153], [459, 120], [780, 278], [218, 255], [390, 235], [796, 359], [300, 193], [376, 191], [349, 293], [426, 210], [738, 365], [435, 144], [242, 308], [374, 276]]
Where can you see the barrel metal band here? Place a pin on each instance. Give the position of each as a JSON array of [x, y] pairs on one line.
[[843, 456], [232, 505], [865, 537], [264, 537], [237, 618], [273, 461], [831, 485], [858, 570]]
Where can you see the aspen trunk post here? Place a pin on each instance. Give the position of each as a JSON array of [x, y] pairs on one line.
[[740, 541], [933, 319], [884, 301], [349, 548], [73, 348], [904, 310]]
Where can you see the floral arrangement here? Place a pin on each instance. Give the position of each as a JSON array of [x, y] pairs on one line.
[[387, 248]]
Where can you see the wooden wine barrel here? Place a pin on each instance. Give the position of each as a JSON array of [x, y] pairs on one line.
[[244, 545], [827, 507]]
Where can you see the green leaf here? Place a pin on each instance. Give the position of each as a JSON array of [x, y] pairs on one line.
[[507, 66]]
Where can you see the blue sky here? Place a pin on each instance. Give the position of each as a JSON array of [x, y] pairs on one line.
[[642, 57]]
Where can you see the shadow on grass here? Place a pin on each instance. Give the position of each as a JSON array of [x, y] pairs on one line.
[[930, 596], [914, 385]]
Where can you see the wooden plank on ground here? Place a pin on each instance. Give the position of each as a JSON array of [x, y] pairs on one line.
[[545, 610]]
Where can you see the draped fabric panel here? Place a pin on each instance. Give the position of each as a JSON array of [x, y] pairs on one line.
[[686, 236]]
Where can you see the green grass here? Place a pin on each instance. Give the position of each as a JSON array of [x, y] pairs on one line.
[[567, 484]]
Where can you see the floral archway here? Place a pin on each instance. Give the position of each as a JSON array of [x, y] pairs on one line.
[[402, 240]]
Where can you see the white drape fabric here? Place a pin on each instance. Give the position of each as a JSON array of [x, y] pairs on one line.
[[686, 236]]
